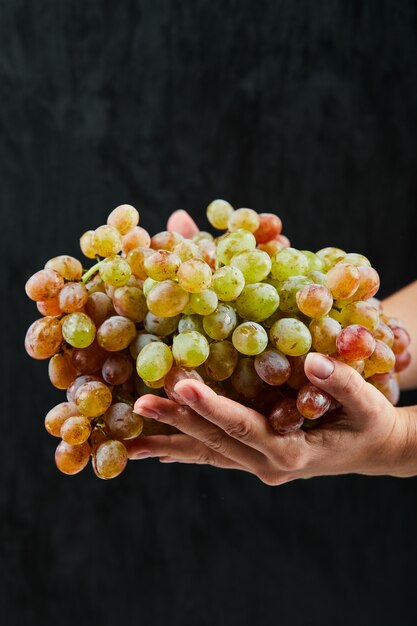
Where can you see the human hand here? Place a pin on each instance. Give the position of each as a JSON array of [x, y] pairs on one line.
[[366, 435]]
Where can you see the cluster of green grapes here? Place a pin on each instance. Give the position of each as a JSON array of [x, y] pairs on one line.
[[239, 312]]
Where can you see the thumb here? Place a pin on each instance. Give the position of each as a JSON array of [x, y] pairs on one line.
[[181, 222], [344, 383]]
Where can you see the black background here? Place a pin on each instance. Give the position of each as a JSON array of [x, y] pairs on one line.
[[303, 108]]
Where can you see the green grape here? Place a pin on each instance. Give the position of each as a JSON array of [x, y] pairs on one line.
[[324, 332], [233, 243], [361, 313], [384, 333], [218, 213], [161, 326], [154, 361], [257, 302], [315, 264], [190, 348], [228, 283], [43, 338], [203, 235], [356, 259], [115, 271], [219, 324], [317, 277], [136, 259], [123, 218], [330, 256], [162, 265], [250, 338], [291, 336], [130, 302], [289, 262], [86, 244], [204, 303], [167, 299], [93, 398], [381, 361], [191, 322], [116, 333], [107, 241], [149, 284], [288, 291], [221, 361], [246, 219], [314, 300], [187, 250], [110, 459], [78, 330], [194, 275], [72, 459], [255, 265], [140, 341], [69, 267]]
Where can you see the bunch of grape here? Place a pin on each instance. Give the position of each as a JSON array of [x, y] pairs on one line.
[[239, 312]]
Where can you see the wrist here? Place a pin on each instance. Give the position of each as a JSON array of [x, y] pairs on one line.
[[404, 443]]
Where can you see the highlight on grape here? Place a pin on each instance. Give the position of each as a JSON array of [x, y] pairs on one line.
[[239, 312]]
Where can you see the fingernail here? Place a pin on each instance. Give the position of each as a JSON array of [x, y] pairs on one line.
[[187, 393], [320, 366], [145, 411]]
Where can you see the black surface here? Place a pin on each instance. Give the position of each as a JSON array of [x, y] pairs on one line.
[[303, 108]]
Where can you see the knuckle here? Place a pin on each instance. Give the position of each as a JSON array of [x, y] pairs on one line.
[[294, 459], [215, 441], [241, 429], [206, 458], [271, 479]]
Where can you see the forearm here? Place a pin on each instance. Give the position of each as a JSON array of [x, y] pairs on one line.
[[403, 304]]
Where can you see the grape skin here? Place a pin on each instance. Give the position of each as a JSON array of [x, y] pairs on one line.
[[221, 361], [44, 285], [75, 430], [43, 338], [312, 402], [57, 416], [190, 349], [69, 267], [78, 330], [355, 342], [116, 333], [250, 338], [154, 361], [284, 417], [110, 459], [273, 367], [174, 376], [61, 371], [291, 337], [72, 459], [122, 422]]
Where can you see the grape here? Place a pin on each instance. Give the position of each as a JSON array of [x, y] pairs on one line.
[[270, 226], [208, 251], [140, 341], [49, 308], [72, 459], [122, 422], [123, 218], [221, 361], [107, 241], [155, 384], [190, 348], [273, 367], [355, 342], [148, 284], [162, 265], [191, 322], [312, 402], [284, 417], [314, 300], [271, 247], [255, 265], [194, 276], [384, 333], [93, 398], [402, 360], [110, 459], [298, 376], [343, 280], [99, 307], [257, 302], [88, 360], [61, 371], [57, 416], [72, 297], [115, 271], [116, 333], [166, 240], [69, 267], [358, 365], [289, 262], [377, 304], [250, 338], [356, 259], [219, 324], [44, 285], [401, 339], [361, 313], [315, 264], [205, 302], [167, 299], [388, 385], [95, 285], [203, 235], [381, 361], [288, 290], [80, 380], [330, 256], [130, 302], [136, 237], [246, 219], [78, 330], [324, 332], [76, 430], [290, 336], [161, 326], [218, 213], [187, 250], [238, 241], [117, 369], [174, 376], [154, 361], [87, 245], [43, 338], [368, 283], [136, 259], [317, 277], [228, 283], [245, 380]]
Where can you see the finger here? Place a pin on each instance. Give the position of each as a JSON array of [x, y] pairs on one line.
[[191, 423], [181, 448], [181, 222], [345, 384], [237, 421]]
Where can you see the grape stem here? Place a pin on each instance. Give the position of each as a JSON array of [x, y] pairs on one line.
[[89, 273]]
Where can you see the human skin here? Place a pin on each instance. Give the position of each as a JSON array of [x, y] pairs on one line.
[[366, 435]]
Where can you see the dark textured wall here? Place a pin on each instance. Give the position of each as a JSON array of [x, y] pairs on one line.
[[303, 108]]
